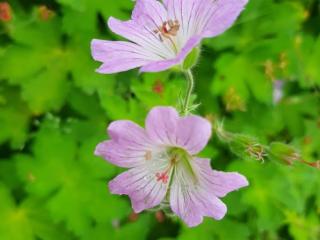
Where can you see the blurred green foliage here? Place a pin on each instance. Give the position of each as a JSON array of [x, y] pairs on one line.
[[54, 109]]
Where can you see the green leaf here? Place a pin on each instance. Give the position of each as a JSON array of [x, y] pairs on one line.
[[26, 221], [59, 172], [14, 118]]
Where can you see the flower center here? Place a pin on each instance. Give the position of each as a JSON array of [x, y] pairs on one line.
[[177, 158], [163, 177], [167, 30]]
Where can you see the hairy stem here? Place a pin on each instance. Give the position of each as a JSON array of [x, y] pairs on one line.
[[190, 87]]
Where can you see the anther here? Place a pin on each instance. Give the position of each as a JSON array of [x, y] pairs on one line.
[[148, 155], [168, 29], [162, 177]]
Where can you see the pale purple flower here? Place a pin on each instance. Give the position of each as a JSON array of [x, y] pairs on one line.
[[277, 91], [161, 34], [164, 168]]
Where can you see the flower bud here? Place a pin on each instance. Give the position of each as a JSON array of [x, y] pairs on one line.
[[283, 153], [5, 12], [242, 145], [248, 147], [45, 13]]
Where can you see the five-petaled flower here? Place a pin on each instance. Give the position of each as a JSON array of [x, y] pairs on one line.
[[164, 167], [162, 34]]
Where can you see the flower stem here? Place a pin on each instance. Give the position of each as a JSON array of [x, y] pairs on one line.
[[190, 87]]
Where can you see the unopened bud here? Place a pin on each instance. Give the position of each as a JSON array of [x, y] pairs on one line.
[[160, 216], [5, 12], [248, 147], [233, 101], [45, 13], [242, 145], [133, 217], [284, 153]]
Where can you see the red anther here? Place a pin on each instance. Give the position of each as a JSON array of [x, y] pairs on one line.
[[164, 28], [162, 177], [5, 12]]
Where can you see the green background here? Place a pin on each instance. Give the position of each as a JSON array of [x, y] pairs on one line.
[[54, 109]]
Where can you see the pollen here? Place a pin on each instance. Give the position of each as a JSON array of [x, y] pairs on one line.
[[148, 155]]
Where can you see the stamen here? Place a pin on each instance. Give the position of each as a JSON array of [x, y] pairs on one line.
[[167, 30], [148, 155]]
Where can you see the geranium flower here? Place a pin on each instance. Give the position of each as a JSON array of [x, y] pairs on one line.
[[162, 34], [164, 168]]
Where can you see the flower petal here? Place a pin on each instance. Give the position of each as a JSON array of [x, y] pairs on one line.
[[143, 36], [191, 200], [166, 64], [208, 18], [161, 124], [223, 16], [193, 133], [128, 146], [118, 56], [184, 12], [142, 185], [150, 12], [217, 182], [120, 154], [127, 132]]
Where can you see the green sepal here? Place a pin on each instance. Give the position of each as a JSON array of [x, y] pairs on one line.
[[191, 60]]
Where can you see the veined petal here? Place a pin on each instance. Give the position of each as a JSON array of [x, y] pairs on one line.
[[150, 12], [193, 133], [122, 155], [120, 56], [165, 3], [143, 36], [208, 18], [190, 199], [217, 182], [128, 146], [128, 132], [143, 184], [182, 10], [166, 64], [223, 16], [189, 14], [161, 124], [164, 126]]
